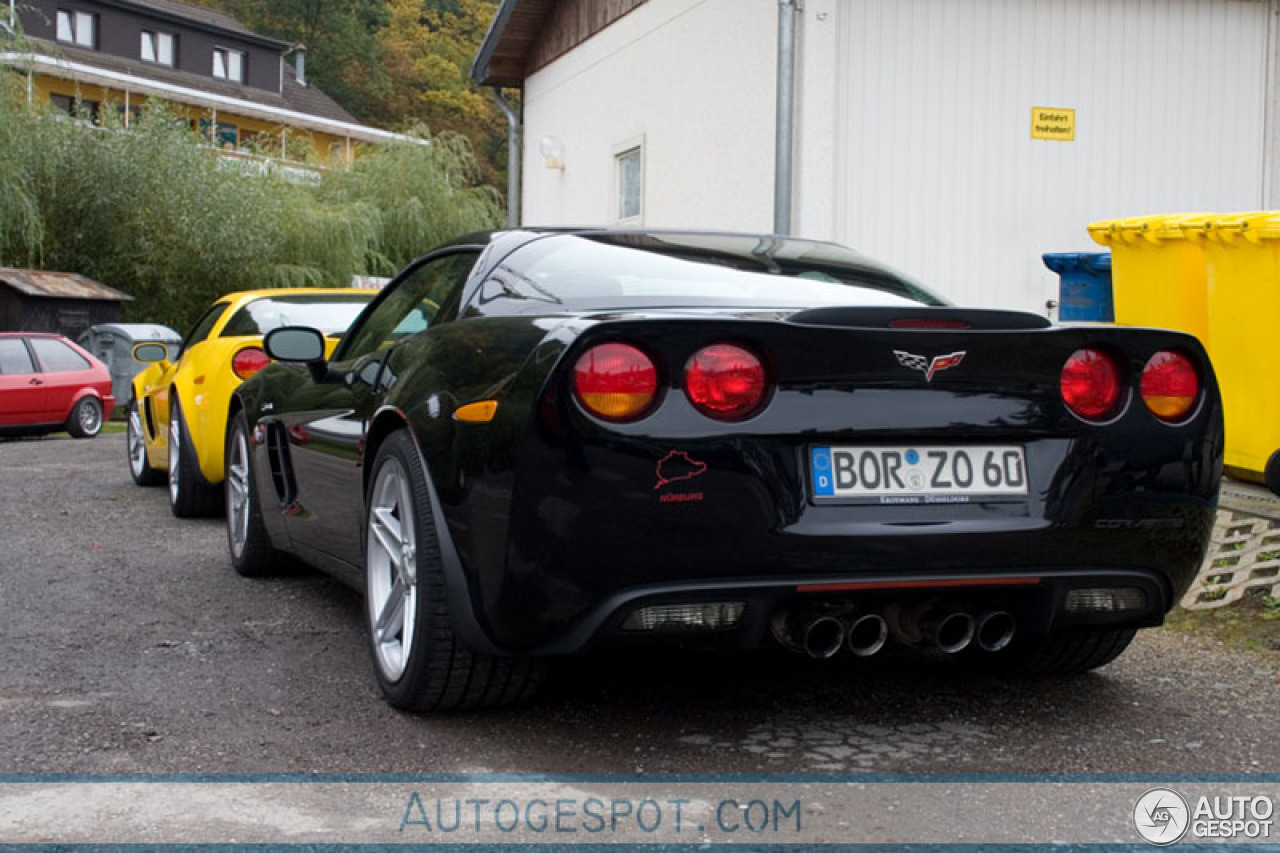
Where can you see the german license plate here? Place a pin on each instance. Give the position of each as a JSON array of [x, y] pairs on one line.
[[924, 474]]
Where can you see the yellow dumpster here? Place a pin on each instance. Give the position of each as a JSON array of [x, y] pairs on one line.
[[1243, 255], [1158, 276]]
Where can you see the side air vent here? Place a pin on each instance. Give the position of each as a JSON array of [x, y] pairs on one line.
[[278, 459]]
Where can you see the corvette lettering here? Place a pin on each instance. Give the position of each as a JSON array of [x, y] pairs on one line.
[[923, 364]]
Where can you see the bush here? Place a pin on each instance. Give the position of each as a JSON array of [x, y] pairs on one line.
[[147, 210]]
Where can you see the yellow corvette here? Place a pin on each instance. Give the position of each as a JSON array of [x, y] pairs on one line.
[[178, 408]]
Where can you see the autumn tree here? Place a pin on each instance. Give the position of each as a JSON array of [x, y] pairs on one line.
[[393, 63]]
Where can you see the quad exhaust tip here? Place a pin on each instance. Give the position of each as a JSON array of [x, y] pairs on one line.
[[954, 632], [823, 637], [995, 630], [867, 635]]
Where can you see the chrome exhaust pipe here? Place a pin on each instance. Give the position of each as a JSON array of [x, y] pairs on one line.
[[951, 633], [823, 637], [867, 635], [995, 630]]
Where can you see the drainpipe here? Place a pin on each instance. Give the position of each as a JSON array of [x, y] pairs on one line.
[[513, 157], [782, 180]]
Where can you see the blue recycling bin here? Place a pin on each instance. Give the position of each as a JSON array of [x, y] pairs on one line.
[[1084, 289]]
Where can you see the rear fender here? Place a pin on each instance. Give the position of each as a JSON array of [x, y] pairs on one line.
[[457, 590]]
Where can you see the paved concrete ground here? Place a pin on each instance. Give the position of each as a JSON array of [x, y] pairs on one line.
[[128, 644]]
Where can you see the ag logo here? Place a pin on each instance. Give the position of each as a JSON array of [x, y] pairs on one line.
[[927, 367], [1161, 816]]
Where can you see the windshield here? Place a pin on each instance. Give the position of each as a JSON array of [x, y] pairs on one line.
[[576, 273], [331, 313]]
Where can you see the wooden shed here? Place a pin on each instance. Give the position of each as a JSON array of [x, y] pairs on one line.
[[60, 302]]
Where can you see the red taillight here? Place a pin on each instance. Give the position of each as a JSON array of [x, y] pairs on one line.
[[615, 381], [1090, 384], [1169, 385], [725, 382], [249, 361]]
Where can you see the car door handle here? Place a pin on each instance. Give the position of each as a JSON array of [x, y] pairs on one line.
[[35, 381]]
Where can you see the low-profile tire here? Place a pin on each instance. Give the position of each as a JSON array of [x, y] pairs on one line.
[[252, 554], [85, 420], [1068, 651], [189, 495], [418, 659], [1272, 473], [136, 449]]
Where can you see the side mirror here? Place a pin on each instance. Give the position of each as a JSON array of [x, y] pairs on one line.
[[299, 345], [295, 344], [150, 353]]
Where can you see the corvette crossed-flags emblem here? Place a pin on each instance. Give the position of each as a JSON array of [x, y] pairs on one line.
[[923, 364]]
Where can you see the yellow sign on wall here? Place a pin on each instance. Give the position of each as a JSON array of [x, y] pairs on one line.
[[1053, 123]]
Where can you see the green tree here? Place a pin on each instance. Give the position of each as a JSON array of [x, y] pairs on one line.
[[147, 210], [420, 196]]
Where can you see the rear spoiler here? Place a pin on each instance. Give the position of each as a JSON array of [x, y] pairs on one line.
[[921, 318]]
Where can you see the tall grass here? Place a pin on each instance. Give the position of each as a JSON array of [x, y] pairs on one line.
[[146, 210]]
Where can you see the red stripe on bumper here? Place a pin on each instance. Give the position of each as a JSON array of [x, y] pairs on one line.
[[846, 587]]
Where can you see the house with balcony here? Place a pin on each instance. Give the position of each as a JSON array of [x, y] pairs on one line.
[[246, 94]]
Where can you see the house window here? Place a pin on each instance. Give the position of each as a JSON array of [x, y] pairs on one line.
[[157, 48], [80, 28], [630, 171], [228, 64], [76, 107], [223, 134]]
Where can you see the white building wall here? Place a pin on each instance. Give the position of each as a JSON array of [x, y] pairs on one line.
[[937, 173], [693, 79], [914, 125]]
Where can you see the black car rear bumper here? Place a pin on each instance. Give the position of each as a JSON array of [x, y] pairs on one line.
[[1038, 602]]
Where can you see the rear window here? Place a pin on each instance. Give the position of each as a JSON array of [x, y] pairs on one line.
[[574, 273], [331, 313]]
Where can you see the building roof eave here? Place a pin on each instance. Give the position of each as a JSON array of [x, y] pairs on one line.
[[56, 67], [48, 284], [482, 70], [241, 34]]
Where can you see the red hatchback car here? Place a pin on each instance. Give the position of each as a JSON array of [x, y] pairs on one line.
[[47, 383]]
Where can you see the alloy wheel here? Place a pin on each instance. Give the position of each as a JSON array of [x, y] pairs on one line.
[[137, 445], [175, 455], [238, 492], [90, 417], [392, 575]]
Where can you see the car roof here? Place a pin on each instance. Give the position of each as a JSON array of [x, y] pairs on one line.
[[765, 248], [292, 291]]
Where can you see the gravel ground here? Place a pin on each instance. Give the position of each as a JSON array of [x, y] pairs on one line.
[[129, 644]]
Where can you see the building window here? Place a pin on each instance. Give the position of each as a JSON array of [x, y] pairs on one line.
[[228, 64], [76, 107], [157, 48], [630, 171], [223, 134], [80, 28]]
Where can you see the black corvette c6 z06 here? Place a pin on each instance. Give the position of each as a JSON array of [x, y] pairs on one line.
[[540, 443]]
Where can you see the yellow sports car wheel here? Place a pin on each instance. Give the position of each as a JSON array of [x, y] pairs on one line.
[[189, 496]]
